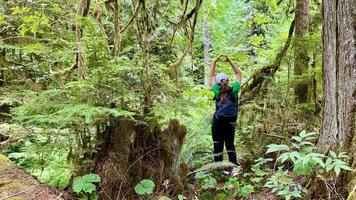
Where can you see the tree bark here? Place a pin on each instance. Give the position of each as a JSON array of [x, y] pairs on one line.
[[117, 39], [3, 65], [301, 59], [207, 48], [82, 11], [144, 151], [339, 68]]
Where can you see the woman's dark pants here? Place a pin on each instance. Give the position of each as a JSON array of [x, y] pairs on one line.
[[223, 131]]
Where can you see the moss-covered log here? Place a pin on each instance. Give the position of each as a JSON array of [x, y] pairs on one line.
[[17, 184]]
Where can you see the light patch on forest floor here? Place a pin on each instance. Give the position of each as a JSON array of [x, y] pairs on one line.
[[16, 184]]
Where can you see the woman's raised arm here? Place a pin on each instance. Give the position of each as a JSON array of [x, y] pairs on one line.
[[235, 68]]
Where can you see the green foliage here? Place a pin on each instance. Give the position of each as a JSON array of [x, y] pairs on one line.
[[246, 190], [85, 186], [282, 184], [144, 187], [40, 44], [275, 147], [302, 154], [42, 157], [335, 162]]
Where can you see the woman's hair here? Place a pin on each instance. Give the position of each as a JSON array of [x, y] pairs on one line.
[[224, 89]]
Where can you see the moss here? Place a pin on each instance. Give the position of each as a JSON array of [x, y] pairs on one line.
[[10, 186], [5, 163]]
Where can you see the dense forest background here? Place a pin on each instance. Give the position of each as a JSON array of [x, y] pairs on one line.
[[108, 99]]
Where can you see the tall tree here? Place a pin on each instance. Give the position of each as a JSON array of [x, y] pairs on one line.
[[82, 11], [207, 48], [339, 41], [301, 59]]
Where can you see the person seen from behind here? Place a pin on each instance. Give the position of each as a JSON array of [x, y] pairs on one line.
[[226, 108]]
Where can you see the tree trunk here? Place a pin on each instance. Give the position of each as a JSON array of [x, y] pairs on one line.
[[207, 48], [339, 68], [3, 65], [301, 59], [83, 9], [131, 152], [117, 39]]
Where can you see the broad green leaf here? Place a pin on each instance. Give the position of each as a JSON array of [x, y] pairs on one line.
[[319, 161], [78, 184], [94, 196], [333, 154], [276, 147], [302, 134], [343, 155], [328, 161], [89, 187], [91, 178], [345, 167], [146, 186], [296, 138], [301, 168]]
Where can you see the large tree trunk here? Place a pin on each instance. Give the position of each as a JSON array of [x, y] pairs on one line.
[[82, 11], [131, 152], [301, 59], [207, 48], [339, 68]]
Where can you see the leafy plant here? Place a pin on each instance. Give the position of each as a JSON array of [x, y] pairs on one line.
[[302, 154], [145, 186], [85, 187], [335, 162], [282, 184]]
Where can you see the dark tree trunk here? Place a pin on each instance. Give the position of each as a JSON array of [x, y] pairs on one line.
[[339, 68], [301, 59]]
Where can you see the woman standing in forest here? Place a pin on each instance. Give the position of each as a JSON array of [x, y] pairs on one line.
[[226, 98]]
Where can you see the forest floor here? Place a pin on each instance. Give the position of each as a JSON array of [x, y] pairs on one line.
[[17, 184]]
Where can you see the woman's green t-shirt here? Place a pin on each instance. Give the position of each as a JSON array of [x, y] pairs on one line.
[[235, 89]]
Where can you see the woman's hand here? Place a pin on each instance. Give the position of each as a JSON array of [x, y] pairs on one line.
[[218, 58], [225, 57]]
